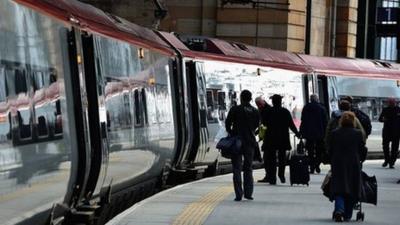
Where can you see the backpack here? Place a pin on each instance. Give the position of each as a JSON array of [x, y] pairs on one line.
[[364, 120]]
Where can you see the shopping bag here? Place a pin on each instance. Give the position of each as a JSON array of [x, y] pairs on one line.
[[369, 189], [326, 185], [229, 146]]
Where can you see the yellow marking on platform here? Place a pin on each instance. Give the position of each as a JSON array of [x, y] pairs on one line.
[[197, 212]]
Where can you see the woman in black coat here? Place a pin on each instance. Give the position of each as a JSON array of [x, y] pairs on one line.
[[346, 147]]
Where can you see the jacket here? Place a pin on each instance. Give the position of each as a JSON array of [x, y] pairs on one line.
[[313, 121], [390, 117], [278, 121], [243, 120]]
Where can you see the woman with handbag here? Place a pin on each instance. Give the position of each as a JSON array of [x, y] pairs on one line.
[[345, 148], [242, 121]]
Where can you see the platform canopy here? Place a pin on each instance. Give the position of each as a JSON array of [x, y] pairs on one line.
[[91, 19]]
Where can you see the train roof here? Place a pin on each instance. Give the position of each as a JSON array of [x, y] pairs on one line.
[[89, 18], [215, 49]]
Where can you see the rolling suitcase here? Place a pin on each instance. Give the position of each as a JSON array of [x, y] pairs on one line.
[[298, 166]]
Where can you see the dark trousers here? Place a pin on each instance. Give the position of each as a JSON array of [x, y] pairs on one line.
[[271, 164], [265, 158], [390, 156], [314, 149], [243, 162], [345, 206]]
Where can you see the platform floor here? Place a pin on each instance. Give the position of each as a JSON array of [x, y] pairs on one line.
[[210, 202]]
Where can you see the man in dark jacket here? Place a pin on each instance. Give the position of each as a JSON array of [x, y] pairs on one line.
[[390, 117], [243, 120], [262, 106], [278, 120], [313, 125], [361, 116]]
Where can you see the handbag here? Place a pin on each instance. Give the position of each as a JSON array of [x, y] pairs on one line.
[[369, 189], [229, 146]]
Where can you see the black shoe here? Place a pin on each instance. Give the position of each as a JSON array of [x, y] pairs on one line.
[[391, 166], [311, 171], [384, 164], [318, 170], [237, 199], [249, 198], [272, 182], [264, 180], [338, 217], [398, 181], [283, 180]]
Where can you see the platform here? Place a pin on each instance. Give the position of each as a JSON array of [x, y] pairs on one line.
[[210, 202]]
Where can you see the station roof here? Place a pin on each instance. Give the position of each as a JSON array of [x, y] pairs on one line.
[[91, 19]]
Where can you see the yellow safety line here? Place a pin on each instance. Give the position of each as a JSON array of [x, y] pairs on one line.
[[197, 212]]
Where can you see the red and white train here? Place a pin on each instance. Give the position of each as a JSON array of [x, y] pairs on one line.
[[97, 113]]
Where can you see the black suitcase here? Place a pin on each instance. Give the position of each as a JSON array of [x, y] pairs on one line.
[[298, 166]]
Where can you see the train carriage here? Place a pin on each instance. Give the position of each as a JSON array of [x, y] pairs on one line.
[[96, 113]]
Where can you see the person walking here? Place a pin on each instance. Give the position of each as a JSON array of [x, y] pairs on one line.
[[361, 116], [346, 147], [243, 120], [344, 106], [390, 117], [313, 125], [262, 106], [278, 121]]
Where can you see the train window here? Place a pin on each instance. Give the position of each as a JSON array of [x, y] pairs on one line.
[[144, 104], [138, 111], [3, 92], [20, 81]]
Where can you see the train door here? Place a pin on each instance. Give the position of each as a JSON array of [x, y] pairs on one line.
[[308, 86], [198, 112], [322, 90]]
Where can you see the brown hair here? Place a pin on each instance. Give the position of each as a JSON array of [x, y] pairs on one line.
[[347, 119]]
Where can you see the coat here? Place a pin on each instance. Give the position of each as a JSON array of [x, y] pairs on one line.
[[346, 147], [243, 120], [390, 117], [278, 121], [313, 121]]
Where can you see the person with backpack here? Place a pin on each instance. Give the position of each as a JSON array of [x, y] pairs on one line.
[[390, 117], [344, 106], [278, 121], [361, 116], [242, 121], [313, 125]]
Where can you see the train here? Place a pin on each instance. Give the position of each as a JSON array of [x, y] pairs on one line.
[[97, 113]]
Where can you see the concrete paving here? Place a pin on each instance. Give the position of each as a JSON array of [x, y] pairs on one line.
[[276, 205]]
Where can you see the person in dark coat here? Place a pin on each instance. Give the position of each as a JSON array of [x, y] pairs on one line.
[[361, 116], [243, 120], [313, 125], [278, 121], [346, 146], [262, 106], [390, 117]]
